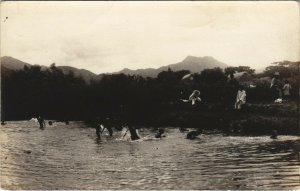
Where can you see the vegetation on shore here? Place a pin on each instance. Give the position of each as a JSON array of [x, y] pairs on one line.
[[148, 101]]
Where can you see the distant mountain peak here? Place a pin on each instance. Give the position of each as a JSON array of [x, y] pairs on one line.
[[192, 63], [197, 59], [125, 70], [194, 59], [190, 59]]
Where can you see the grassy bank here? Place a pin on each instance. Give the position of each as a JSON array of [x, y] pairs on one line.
[[253, 119]]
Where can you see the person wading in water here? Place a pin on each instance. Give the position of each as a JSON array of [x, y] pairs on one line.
[[41, 122], [133, 133], [193, 134]]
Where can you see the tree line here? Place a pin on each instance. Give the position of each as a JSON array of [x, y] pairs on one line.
[[33, 92]]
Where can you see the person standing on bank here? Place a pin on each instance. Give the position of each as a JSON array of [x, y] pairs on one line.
[[276, 85], [240, 98], [286, 90]]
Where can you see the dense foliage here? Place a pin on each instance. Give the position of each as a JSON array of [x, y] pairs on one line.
[[32, 92]]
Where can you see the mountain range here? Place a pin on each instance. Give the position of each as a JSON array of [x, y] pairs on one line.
[[9, 63], [191, 63]]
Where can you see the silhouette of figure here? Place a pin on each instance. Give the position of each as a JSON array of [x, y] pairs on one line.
[[107, 125], [193, 134], [232, 88], [276, 85], [232, 81], [98, 131], [274, 134], [160, 133], [41, 122], [133, 133]]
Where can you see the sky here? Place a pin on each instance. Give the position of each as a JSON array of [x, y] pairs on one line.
[[109, 36]]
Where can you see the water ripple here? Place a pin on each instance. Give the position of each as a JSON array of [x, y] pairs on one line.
[[70, 157]]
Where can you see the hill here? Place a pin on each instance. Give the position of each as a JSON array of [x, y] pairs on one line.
[[85, 74], [191, 63], [10, 63]]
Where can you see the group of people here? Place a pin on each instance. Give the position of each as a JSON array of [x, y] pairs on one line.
[[282, 90], [240, 100], [42, 122], [240, 96], [135, 136], [100, 127]]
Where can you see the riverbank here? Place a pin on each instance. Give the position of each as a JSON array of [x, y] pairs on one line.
[[254, 119]]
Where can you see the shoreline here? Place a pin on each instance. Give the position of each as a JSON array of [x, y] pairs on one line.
[[254, 119]]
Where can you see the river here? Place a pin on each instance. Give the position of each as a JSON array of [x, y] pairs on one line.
[[70, 157]]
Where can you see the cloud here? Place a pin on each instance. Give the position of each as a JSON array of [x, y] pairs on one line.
[[109, 36]]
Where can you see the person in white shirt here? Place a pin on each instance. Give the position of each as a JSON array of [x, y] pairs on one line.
[[286, 90], [240, 98], [195, 96]]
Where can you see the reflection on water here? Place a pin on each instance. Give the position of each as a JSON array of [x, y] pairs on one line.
[[70, 157]]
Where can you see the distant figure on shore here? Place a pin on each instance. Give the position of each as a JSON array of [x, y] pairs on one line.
[[193, 134], [41, 122], [195, 96], [230, 91], [160, 133], [240, 98], [286, 90], [274, 134], [276, 85]]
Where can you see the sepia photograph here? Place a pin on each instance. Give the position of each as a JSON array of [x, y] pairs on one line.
[[150, 95]]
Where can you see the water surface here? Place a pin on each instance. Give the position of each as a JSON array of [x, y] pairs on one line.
[[70, 157]]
